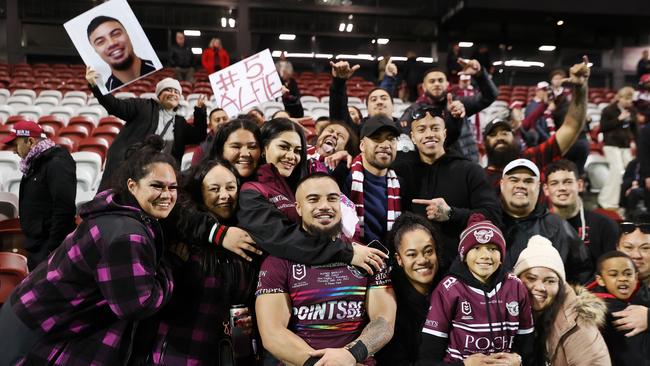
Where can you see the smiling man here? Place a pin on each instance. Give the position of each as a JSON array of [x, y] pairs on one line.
[[523, 217], [112, 43], [146, 117], [330, 313]]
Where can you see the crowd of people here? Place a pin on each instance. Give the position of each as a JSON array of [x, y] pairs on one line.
[[381, 242]]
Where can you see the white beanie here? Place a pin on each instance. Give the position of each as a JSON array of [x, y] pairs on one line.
[[168, 83], [540, 253]]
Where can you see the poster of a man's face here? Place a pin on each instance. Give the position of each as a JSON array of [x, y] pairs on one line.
[[114, 44]]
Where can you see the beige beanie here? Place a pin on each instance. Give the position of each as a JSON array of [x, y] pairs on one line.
[[540, 253], [168, 83]]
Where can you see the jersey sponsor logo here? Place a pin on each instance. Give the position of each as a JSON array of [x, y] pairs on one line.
[[431, 323], [498, 343], [449, 282], [299, 271], [484, 235], [355, 272], [330, 310], [465, 307], [513, 308]]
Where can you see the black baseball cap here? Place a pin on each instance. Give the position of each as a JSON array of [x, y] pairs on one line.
[[494, 124], [376, 123]]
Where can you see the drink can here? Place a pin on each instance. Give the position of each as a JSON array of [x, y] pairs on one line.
[[235, 309]]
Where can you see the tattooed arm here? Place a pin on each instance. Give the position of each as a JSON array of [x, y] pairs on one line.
[[381, 307]]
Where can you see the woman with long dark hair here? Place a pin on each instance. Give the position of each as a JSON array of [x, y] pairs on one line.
[[84, 305], [239, 142], [566, 318], [415, 244], [209, 279]]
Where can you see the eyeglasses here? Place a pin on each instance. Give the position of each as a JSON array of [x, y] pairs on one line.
[[419, 113], [628, 227]]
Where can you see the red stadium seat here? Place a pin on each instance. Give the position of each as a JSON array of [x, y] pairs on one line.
[[64, 142], [111, 121], [107, 132], [75, 133], [13, 269], [83, 121], [11, 120], [55, 122], [94, 144]]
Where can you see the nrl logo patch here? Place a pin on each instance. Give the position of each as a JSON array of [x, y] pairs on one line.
[[299, 271], [465, 307], [484, 235], [513, 308]]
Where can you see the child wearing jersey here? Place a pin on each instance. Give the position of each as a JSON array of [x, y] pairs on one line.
[[478, 312]]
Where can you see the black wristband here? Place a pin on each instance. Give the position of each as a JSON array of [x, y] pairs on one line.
[[311, 361], [359, 351]]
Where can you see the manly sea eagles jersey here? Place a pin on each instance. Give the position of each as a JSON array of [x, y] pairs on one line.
[[475, 321]]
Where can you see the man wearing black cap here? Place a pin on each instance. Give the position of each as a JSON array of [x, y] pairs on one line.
[[448, 187], [500, 144], [371, 184], [47, 190]]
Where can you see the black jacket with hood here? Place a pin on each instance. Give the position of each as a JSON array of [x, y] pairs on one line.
[[460, 182], [575, 255]]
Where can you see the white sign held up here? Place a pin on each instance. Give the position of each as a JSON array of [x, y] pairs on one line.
[[247, 83]]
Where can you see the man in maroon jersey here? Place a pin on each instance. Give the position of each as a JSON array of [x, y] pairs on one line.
[[311, 313]]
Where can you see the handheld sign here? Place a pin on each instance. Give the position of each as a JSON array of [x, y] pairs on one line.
[[245, 84], [110, 39]]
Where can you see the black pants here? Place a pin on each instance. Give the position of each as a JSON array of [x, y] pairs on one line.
[[17, 339]]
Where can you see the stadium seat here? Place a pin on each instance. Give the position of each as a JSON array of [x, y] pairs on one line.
[[75, 94], [308, 99], [4, 95], [64, 142], [271, 107], [107, 132], [74, 103], [11, 120], [25, 92], [5, 112], [111, 121], [97, 145], [46, 103], [95, 113], [89, 162], [9, 162], [148, 95], [186, 162], [63, 112], [83, 197], [8, 206], [13, 269], [319, 110], [53, 121], [325, 99], [30, 112], [19, 100], [52, 93], [597, 170], [11, 182], [75, 133], [85, 121]]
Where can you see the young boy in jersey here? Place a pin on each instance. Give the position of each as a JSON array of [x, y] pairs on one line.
[[617, 283], [478, 312]]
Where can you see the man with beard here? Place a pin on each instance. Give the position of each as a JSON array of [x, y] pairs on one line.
[[146, 117], [563, 185], [330, 313], [524, 217], [448, 186], [435, 95], [502, 148], [371, 184], [111, 42]]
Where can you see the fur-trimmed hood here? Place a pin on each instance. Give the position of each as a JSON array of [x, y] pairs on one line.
[[578, 321]]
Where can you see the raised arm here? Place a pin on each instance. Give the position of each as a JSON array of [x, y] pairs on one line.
[[197, 132], [341, 72], [487, 91], [124, 109], [576, 117]]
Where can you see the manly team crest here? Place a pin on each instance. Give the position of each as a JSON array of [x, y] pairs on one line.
[[513, 308], [484, 235], [299, 271], [465, 307]]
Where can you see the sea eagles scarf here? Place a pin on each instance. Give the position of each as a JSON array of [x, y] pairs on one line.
[[356, 193]]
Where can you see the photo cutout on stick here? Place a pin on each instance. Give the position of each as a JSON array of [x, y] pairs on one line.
[[110, 39]]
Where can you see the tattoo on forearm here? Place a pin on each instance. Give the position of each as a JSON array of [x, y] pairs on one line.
[[376, 334]]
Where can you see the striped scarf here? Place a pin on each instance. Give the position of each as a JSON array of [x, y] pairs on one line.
[[356, 193]]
